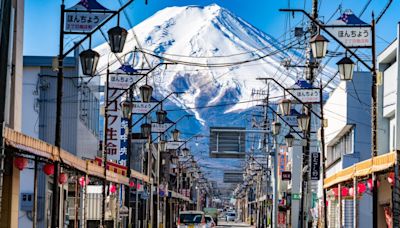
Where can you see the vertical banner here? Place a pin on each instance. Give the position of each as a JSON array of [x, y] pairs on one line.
[[123, 149], [282, 159], [315, 166], [114, 125]]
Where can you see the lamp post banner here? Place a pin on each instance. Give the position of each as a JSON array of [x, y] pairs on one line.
[[307, 95], [113, 130], [351, 31], [143, 107], [315, 166], [78, 21], [123, 77], [160, 128], [173, 145]]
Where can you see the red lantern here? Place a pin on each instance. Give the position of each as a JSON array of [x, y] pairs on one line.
[[361, 188], [82, 181], [113, 188], [131, 184], [63, 178], [138, 186], [21, 163], [370, 184], [48, 169], [327, 203], [391, 178], [351, 191], [335, 191], [345, 191]]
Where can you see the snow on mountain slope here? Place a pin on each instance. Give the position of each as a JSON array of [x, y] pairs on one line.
[[209, 35]]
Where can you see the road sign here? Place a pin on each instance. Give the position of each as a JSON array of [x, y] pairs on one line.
[[296, 196], [173, 145], [143, 107], [315, 166], [159, 128], [351, 31], [286, 175], [79, 21]]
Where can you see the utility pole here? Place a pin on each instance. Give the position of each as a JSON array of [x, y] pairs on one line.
[[266, 146]]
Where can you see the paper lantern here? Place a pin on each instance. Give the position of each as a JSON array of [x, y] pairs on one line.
[[391, 178], [63, 178], [82, 181], [335, 191], [370, 184], [138, 186], [48, 169], [131, 184], [361, 188], [327, 203], [21, 163], [113, 188], [351, 191], [345, 191]]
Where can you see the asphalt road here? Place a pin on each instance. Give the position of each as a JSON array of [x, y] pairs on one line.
[[223, 224]]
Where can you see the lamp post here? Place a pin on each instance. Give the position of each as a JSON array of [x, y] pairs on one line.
[[276, 128], [346, 75], [89, 60]]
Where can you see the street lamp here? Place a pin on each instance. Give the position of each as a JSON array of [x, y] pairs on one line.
[[276, 128], [289, 138], [126, 107], [303, 121], [346, 68], [175, 135], [145, 92], [89, 60], [285, 106], [161, 116], [145, 130], [185, 152], [162, 145], [319, 46], [117, 37]]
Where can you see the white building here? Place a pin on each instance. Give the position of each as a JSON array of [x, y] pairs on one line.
[[347, 140], [80, 123]]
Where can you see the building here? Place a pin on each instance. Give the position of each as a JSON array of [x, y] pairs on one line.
[[347, 140], [80, 122], [11, 49]]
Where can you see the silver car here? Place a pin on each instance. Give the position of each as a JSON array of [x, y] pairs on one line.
[[230, 216]]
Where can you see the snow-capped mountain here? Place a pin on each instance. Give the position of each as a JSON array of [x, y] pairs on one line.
[[197, 36]]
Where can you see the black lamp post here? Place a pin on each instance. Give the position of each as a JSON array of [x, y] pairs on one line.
[[303, 121], [185, 152], [89, 60], [117, 37], [276, 128], [175, 135], [145, 92], [319, 46], [346, 68], [161, 116], [285, 106], [289, 138], [145, 130]]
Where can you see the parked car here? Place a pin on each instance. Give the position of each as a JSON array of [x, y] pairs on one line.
[[230, 216], [213, 212], [210, 221], [191, 219]]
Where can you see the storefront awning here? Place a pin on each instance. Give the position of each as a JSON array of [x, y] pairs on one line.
[[36, 147], [364, 168]]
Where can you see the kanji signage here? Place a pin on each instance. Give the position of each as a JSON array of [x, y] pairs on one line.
[[173, 145], [123, 150], [123, 78], [307, 95], [315, 166], [143, 108], [79, 18], [114, 125], [160, 128], [286, 175], [351, 31]]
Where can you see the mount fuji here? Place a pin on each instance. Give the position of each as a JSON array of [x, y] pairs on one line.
[[205, 40]]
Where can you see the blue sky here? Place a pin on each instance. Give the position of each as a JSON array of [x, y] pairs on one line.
[[42, 17]]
